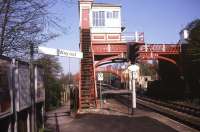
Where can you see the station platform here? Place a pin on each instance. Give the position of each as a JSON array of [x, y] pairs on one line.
[[113, 117]]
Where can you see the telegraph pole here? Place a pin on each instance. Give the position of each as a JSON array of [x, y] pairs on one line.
[[14, 98], [32, 89]]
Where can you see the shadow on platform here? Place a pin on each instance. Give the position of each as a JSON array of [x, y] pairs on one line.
[[113, 123]]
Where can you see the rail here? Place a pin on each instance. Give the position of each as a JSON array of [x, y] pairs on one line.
[[175, 106], [166, 109]]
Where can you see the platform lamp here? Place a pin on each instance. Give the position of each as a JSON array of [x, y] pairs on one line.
[[134, 69]]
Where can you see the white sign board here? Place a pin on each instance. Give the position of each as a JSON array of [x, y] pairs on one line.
[[49, 51], [134, 71], [134, 68], [60, 52], [100, 76], [68, 53], [134, 75]]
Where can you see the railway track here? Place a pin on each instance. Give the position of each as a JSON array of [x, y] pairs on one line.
[[185, 114], [175, 106]]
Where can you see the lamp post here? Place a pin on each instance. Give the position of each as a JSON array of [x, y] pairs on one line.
[[134, 69]]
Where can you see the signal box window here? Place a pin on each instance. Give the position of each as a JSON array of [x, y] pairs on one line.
[[115, 14], [98, 18], [109, 14], [112, 14]]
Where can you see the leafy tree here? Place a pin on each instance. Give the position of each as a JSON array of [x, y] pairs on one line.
[[52, 70], [191, 59], [147, 69], [193, 48]]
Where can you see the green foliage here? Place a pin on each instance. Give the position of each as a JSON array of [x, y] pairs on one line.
[[193, 48], [191, 60], [53, 86], [148, 70]]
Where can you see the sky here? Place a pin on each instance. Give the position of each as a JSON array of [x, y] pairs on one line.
[[160, 20]]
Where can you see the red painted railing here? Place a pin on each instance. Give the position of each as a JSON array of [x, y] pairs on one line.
[[161, 48], [118, 37]]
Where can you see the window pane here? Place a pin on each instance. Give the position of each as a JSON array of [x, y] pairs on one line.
[[115, 14], [93, 18], [98, 18], [109, 14], [103, 18]]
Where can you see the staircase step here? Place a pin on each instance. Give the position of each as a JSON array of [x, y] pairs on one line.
[[86, 78], [86, 87], [85, 31], [87, 66], [87, 63], [87, 72], [85, 81], [90, 103], [85, 41], [86, 35], [85, 106], [85, 90], [85, 84], [86, 100], [86, 57], [89, 54], [85, 94]]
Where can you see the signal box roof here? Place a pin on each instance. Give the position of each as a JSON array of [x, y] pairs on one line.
[[105, 5]]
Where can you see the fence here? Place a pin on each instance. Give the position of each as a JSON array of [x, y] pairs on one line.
[[15, 85]]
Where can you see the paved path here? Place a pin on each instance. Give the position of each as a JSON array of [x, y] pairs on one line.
[[113, 118]]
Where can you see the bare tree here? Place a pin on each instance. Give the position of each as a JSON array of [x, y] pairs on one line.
[[24, 22]]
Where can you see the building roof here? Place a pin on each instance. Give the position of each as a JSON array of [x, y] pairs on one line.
[[105, 5]]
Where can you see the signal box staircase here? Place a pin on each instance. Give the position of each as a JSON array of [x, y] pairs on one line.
[[87, 96]]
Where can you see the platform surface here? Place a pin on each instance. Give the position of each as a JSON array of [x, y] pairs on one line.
[[113, 117]]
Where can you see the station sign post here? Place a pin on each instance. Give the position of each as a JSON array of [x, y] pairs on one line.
[[100, 79], [134, 69]]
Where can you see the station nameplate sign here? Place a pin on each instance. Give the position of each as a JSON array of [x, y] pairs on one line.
[[60, 52]]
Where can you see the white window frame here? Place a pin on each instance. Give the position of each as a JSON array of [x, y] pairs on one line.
[[115, 14], [98, 18]]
